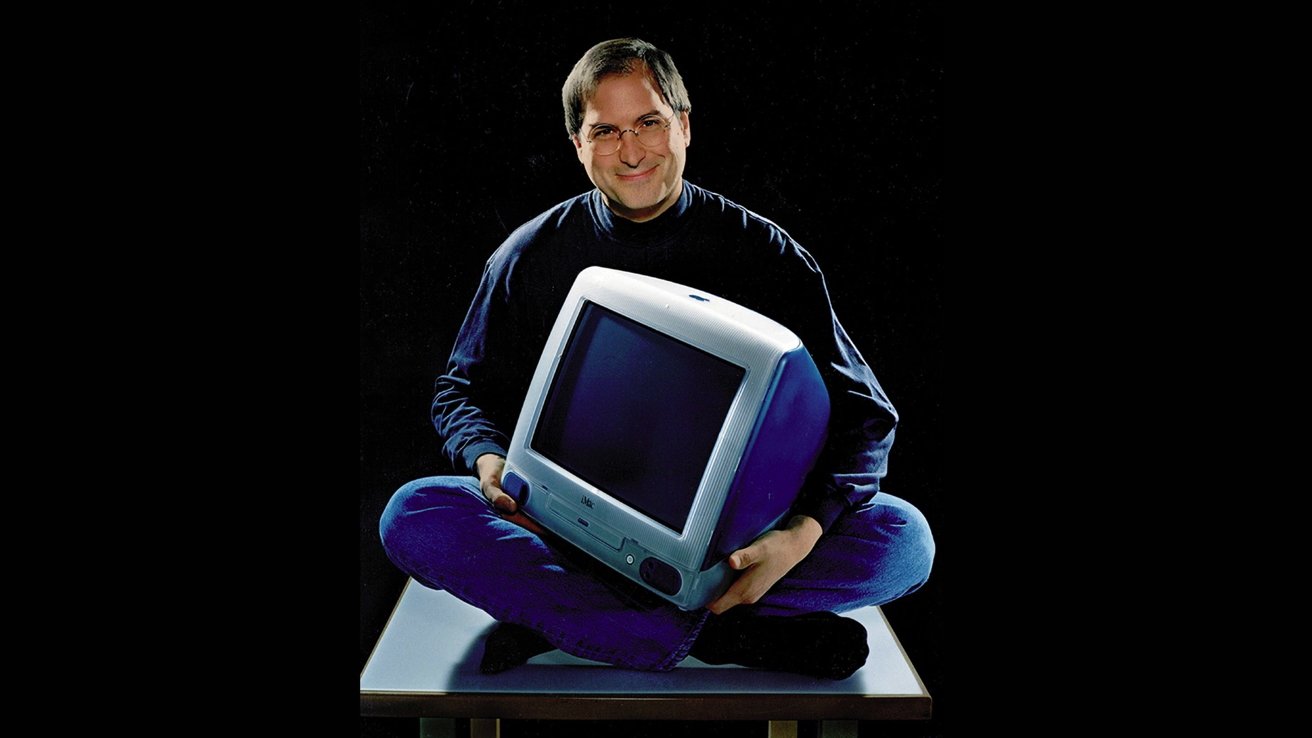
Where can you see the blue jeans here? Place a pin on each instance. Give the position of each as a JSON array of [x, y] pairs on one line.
[[442, 532]]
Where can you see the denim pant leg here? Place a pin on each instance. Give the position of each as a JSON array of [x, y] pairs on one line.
[[870, 556], [442, 532]]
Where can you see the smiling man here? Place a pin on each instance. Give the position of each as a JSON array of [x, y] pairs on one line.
[[639, 175], [847, 543]]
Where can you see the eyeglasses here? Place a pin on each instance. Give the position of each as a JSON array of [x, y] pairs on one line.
[[651, 132]]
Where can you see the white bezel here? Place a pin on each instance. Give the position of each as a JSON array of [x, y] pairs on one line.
[[726, 330]]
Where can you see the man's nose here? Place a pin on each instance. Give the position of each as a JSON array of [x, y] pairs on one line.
[[631, 152]]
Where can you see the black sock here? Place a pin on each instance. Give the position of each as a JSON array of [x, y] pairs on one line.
[[820, 644], [510, 645]]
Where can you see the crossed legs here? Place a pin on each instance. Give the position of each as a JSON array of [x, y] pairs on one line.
[[440, 531]]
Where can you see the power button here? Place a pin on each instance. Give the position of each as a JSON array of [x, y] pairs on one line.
[[629, 559]]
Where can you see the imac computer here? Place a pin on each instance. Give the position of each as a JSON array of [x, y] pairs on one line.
[[665, 428]]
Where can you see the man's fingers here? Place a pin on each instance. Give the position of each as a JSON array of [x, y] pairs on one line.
[[725, 601], [525, 522], [499, 499], [745, 591], [742, 558], [509, 509], [489, 468]]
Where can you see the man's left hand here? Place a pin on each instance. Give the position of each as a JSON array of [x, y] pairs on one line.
[[767, 560]]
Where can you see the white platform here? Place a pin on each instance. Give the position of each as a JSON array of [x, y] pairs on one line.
[[425, 664]]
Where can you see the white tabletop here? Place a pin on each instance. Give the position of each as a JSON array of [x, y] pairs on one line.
[[433, 642]]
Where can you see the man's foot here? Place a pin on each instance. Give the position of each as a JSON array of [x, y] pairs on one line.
[[819, 644], [510, 645]]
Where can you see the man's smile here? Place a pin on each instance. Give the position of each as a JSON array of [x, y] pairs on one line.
[[636, 177]]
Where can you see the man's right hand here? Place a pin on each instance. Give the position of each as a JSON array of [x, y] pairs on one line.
[[489, 468]]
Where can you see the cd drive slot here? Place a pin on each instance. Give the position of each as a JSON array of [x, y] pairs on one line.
[[583, 519]]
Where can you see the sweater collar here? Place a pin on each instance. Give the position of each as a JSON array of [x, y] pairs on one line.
[[661, 228]]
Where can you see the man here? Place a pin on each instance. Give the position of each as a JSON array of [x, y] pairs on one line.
[[846, 545]]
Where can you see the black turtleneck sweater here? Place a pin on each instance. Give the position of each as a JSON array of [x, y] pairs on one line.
[[703, 241]]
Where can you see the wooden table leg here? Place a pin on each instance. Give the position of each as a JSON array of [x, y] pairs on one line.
[[782, 729]]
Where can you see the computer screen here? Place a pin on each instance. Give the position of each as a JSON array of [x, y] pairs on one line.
[[636, 413]]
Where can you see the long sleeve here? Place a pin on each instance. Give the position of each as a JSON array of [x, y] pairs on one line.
[[474, 403], [862, 419]]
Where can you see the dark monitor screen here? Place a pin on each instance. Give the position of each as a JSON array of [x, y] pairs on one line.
[[636, 413]]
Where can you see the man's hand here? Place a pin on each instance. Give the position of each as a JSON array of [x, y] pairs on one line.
[[767, 560], [489, 468]]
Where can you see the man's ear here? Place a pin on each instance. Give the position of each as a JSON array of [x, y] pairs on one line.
[[687, 128], [578, 147]]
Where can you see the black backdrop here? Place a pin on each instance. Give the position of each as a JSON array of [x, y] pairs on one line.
[[825, 117]]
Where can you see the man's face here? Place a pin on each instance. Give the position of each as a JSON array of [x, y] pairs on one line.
[[640, 181]]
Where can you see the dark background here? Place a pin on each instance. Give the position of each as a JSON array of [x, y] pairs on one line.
[[827, 119]]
